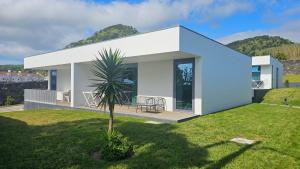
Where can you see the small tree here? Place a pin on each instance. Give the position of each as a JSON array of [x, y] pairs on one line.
[[109, 70]]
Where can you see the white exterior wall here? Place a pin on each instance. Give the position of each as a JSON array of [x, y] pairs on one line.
[[225, 73], [279, 65], [63, 80], [156, 79], [80, 81], [266, 76]]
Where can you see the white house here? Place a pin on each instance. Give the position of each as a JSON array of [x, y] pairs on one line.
[[266, 72], [192, 72]]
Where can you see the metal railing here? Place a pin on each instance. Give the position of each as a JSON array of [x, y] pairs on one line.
[[41, 96], [257, 84]]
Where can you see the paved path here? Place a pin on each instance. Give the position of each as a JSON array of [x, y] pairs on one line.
[[18, 107], [282, 105]]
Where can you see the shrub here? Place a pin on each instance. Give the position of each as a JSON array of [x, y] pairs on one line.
[[116, 147], [9, 100], [287, 83]]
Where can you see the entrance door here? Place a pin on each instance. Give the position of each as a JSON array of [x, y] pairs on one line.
[[184, 83]]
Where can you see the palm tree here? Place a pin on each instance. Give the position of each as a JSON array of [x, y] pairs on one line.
[[109, 70]]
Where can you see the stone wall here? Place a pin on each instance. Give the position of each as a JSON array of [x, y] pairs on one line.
[[291, 66], [16, 90]]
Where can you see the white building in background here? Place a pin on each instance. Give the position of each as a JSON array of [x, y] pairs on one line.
[[192, 72], [267, 72]]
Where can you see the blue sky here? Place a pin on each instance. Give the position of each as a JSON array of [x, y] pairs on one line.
[[46, 25]]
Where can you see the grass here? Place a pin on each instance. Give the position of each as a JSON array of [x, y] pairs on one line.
[[291, 78], [66, 138], [276, 96]]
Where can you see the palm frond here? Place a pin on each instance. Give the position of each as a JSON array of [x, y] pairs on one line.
[[108, 70]]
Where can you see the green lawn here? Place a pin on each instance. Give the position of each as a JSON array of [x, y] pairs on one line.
[[276, 96], [65, 139], [291, 78]]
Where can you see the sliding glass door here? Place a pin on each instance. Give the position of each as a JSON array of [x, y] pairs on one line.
[[130, 80], [184, 83]]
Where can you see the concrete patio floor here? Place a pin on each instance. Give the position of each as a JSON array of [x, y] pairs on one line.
[[163, 116], [12, 108]]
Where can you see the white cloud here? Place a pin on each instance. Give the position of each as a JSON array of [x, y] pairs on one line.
[[31, 27], [289, 30]]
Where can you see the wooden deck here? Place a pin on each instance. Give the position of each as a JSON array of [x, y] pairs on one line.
[[163, 116]]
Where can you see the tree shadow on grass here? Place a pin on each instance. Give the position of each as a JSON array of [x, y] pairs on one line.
[[69, 144]]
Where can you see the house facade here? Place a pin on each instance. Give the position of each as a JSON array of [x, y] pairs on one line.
[[192, 72], [267, 72]]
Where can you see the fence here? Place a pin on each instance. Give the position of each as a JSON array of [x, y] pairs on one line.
[[41, 96]]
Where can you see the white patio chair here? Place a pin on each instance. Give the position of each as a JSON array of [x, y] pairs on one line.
[[90, 99], [67, 96]]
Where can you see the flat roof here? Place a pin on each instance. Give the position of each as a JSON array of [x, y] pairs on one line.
[[140, 33]]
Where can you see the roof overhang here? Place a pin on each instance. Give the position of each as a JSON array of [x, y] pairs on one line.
[[152, 43]]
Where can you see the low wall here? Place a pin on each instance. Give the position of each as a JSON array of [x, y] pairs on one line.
[[259, 95], [294, 85], [16, 90], [291, 66]]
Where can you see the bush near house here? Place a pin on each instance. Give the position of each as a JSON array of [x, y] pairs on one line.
[[277, 96], [9, 101]]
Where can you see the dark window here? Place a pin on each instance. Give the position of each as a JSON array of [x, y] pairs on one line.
[[184, 78], [53, 75]]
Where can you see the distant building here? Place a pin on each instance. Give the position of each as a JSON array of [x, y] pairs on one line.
[[267, 72], [15, 77]]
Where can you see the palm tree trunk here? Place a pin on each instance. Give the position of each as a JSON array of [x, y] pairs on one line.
[[111, 118]]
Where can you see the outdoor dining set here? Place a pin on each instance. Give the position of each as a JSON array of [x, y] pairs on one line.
[[143, 103]]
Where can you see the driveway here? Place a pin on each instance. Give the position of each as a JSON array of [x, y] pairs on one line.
[[18, 107]]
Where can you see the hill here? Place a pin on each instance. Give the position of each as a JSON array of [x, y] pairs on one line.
[[111, 32], [284, 52], [12, 67], [254, 46]]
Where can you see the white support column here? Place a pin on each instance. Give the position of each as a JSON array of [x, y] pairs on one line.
[[49, 79], [198, 86], [72, 84]]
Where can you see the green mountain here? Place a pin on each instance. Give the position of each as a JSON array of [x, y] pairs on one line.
[[111, 32], [11, 67], [283, 52], [261, 45]]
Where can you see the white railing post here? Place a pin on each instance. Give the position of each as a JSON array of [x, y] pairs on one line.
[[49, 79], [72, 84]]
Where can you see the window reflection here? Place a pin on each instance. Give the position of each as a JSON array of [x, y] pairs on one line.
[[184, 84]]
